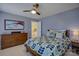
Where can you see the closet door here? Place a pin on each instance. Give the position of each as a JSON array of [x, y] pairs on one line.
[[35, 29]]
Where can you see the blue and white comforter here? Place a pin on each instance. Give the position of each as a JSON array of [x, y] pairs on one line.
[[55, 48]]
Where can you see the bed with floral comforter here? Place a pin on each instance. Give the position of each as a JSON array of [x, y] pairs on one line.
[[55, 48], [55, 45]]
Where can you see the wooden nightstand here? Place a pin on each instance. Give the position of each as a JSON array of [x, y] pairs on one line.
[[75, 45]]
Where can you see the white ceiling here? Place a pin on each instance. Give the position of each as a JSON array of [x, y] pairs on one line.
[[46, 9]]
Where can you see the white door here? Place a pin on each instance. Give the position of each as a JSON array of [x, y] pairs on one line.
[[35, 29]]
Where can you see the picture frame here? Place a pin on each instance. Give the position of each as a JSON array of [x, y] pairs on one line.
[[13, 25]]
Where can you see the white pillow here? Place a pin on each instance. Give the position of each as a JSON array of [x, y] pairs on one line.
[[51, 34], [59, 35]]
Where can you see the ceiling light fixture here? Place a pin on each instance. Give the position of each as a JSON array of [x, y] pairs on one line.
[[33, 12]]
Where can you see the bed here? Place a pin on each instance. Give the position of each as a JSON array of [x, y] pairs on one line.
[[51, 45]]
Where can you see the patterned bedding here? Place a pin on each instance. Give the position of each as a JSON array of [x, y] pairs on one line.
[[55, 48]]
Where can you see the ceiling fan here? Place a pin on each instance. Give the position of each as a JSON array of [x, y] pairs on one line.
[[34, 10]]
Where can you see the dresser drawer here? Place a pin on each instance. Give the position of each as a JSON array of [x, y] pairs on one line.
[[13, 39]]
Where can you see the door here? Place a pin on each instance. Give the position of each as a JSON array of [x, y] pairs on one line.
[[36, 29]]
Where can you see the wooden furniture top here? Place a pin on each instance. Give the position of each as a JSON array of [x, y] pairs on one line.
[[75, 43]]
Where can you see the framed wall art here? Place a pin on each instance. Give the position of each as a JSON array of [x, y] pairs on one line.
[[13, 25]]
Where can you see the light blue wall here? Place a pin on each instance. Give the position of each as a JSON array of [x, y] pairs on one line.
[[61, 21], [4, 15]]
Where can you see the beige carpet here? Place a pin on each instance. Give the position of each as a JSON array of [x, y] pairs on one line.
[[20, 50], [70, 53]]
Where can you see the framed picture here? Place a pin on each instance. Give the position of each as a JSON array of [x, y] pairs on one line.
[[13, 25]]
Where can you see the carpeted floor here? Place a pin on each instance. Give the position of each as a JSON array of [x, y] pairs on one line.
[[20, 50]]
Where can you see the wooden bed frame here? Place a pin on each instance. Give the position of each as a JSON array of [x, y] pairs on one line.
[[34, 53]]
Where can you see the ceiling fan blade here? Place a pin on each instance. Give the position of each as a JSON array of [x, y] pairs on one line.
[[26, 10], [38, 13]]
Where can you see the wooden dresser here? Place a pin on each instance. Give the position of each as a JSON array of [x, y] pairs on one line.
[[9, 40]]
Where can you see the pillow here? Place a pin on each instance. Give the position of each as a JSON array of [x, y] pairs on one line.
[[59, 35], [51, 35]]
